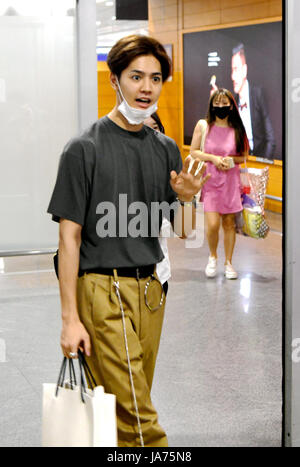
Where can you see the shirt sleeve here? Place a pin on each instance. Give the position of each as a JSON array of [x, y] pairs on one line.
[[69, 197]]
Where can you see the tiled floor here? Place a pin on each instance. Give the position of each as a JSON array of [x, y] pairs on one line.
[[218, 375]]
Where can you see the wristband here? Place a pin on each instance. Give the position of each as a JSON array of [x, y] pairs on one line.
[[188, 203]]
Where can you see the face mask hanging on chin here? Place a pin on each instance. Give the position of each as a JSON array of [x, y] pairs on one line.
[[134, 116]]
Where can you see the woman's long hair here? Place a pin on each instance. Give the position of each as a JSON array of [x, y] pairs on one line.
[[156, 118], [234, 119]]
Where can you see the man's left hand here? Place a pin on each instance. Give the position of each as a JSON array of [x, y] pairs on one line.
[[187, 184]]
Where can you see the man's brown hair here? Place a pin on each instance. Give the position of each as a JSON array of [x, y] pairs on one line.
[[130, 47], [239, 49]]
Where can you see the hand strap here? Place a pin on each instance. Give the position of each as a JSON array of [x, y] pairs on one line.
[[204, 126], [246, 171], [85, 372], [72, 374], [88, 374]]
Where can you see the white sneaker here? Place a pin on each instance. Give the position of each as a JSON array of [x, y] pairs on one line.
[[211, 268], [229, 271]]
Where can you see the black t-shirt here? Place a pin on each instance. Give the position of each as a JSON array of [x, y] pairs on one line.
[[102, 175]]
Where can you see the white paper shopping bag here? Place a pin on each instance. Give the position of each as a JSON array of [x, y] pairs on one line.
[[74, 416]]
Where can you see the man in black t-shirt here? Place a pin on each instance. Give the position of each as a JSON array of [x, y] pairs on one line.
[[112, 182]]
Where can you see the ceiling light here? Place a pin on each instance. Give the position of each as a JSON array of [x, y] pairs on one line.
[[36, 7]]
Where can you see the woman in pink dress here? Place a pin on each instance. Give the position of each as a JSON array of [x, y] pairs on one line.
[[225, 147]]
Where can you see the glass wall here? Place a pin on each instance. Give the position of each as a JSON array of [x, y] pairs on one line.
[[38, 114], [292, 237]]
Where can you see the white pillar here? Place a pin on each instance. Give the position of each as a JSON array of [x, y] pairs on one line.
[[292, 231], [87, 63]]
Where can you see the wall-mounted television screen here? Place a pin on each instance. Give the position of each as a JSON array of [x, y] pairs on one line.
[[246, 60]]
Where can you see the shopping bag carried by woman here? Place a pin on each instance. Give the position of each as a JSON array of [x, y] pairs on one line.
[[75, 416], [251, 220]]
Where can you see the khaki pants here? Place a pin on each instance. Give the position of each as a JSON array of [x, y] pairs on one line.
[[100, 313]]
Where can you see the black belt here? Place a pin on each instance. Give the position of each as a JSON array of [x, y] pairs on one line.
[[140, 272]]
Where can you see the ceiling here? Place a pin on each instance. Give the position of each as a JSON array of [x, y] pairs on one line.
[[109, 30]]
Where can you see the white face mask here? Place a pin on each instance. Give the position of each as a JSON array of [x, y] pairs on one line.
[[134, 116]]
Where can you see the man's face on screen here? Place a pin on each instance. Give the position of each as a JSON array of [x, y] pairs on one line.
[[238, 73]]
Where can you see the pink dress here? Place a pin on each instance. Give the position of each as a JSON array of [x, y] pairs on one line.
[[222, 192]]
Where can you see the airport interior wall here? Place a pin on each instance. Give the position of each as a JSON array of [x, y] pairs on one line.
[[168, 21]]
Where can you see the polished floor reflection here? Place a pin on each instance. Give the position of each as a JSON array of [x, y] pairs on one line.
[[218, 375]]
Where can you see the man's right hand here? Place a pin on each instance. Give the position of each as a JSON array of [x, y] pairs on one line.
[[74, 336]]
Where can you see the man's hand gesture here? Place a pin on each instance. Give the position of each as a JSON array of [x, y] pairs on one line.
[[187, 184]]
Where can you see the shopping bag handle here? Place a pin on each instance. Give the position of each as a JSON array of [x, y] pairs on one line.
[[61, 377], [84, 366], [85, 372]]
